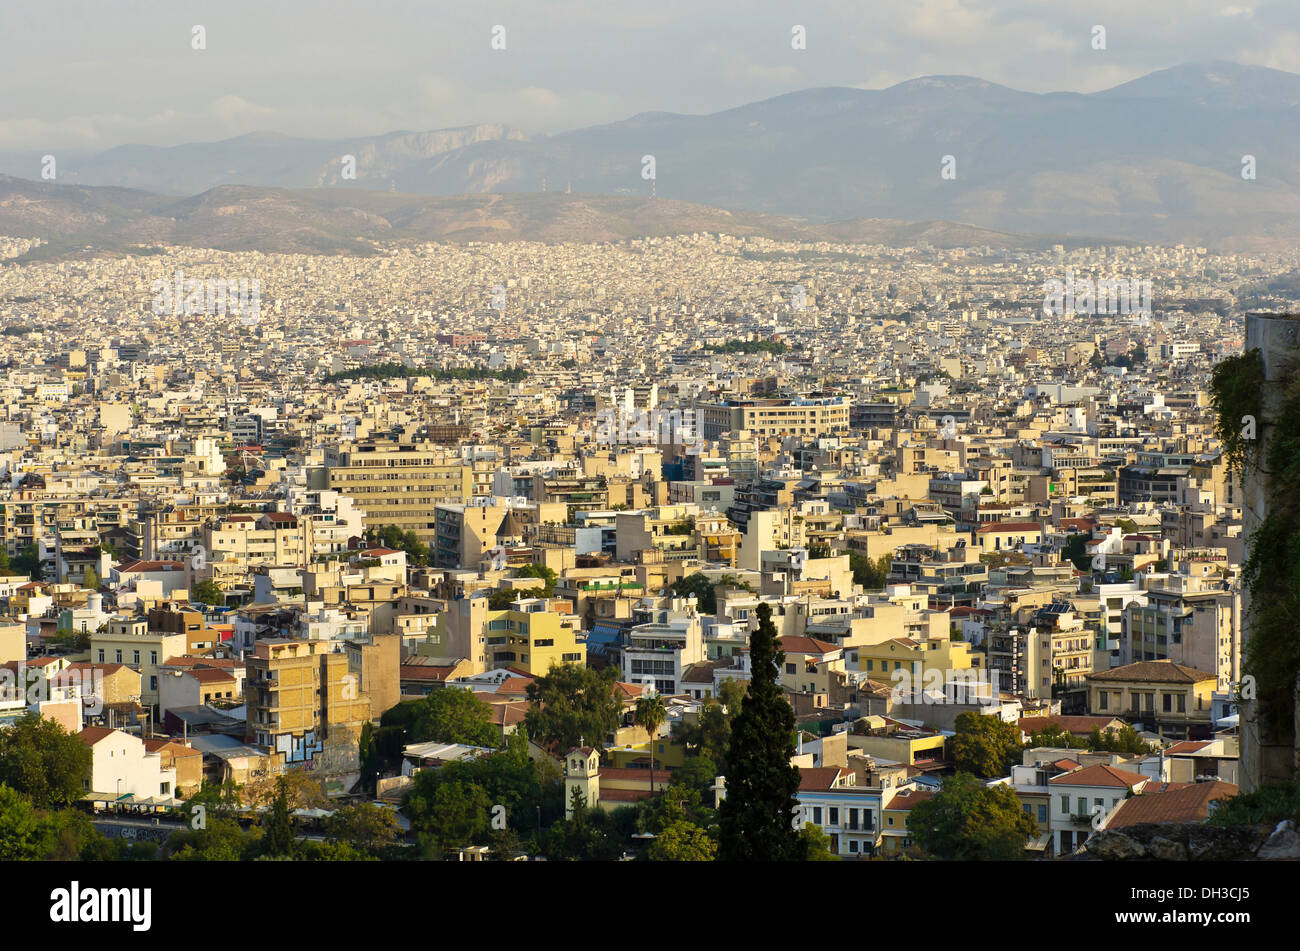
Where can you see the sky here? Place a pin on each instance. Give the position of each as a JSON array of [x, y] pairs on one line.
[[94, 75]]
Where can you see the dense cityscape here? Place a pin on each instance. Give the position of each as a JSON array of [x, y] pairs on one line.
[[841, 446]]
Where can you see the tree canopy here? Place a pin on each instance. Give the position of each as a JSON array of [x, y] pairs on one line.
[[573, 704], [985, 745], [968, 821], [44, 762], [449, 715]]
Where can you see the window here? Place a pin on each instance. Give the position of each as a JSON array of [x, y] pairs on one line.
[[118, 658], [1102, 698], [153, 657], [789, 668], [1169, 702], [834, 815], [1065, 804], [817, 815], [101, 655], [1042, 813], [135, 657]]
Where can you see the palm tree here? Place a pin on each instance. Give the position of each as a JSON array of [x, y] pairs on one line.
[[650, 713]]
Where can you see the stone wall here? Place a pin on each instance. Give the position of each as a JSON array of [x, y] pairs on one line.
[[1196, 842]]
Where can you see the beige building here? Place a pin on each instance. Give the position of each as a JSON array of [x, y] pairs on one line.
[[807, 416], [398, 484], [128, 640]]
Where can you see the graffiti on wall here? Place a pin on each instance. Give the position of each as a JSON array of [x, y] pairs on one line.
[[298, 750]]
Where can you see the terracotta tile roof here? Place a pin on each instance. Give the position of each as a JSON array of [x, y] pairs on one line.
[[106, 668], [210, 675], [909, 798], [794, 644], [93, 734], [998, 527], [1188, 802], [626, 795], [1152, 671], [1100, 775], [1187, 747], [818, 778], [1076, 726], [149, 566]]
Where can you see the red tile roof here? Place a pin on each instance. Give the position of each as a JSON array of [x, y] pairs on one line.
[[1189, 802], [1100, 775]]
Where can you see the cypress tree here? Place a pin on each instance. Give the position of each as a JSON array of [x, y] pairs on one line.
[[756, 818], [278, 839]]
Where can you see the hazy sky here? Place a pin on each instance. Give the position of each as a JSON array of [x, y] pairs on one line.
[[99, 74]]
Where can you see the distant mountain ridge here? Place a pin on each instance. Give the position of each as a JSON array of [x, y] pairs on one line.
[[74, 218], [1158, 159]]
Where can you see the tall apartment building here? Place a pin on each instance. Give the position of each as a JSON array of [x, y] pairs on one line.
[[797, 416], [397, 484], [1190, 621], [244, 541], [305, 702], [463, 534]]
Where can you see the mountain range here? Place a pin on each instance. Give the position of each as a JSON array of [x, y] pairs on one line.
[[1158, 159]]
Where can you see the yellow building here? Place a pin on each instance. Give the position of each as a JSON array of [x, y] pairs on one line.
[[305, 703], [921, 660], [1161, 695], [532, 637]]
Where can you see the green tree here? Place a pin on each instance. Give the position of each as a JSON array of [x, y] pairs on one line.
[[968, 821], [278, 839], [29, 563], [682, 841], [650, 715], [90, 580], [705, 592], [698, 773], [44, 762], [1055, 736], [207, 592], [453, 815], [1076, 552], [985, 745], [22, 834], [756, 817], [709, 734], [499, 599], [871, 575], [547, 575], [217, 839], [589, 835], [364, 826], [1124, 740], [816, 844], [449, 715], [572, 704]]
